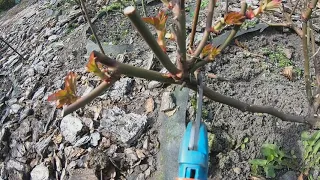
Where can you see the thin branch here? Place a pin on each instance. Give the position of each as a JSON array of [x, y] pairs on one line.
[[133, 71], [295, 7], [148, 37], [194, 23], [206, 33], [245, 107], [227, 6], [292, 25], [83, 6], [307, 13], [144, 8], [12, 48], [88, 98], [226, 42], [306, 62]]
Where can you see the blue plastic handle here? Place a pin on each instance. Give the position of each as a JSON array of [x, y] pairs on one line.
[[194, 163]]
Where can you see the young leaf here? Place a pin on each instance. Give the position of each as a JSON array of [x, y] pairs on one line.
[[206, 50], [258, 162], [68, 94], [234, 18], [269, 170], [271, 5], [159, 22], [214, 52], [94, 68], [250, 13]]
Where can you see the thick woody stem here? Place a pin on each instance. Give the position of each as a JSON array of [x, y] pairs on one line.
[[150, 40], [206, 33]]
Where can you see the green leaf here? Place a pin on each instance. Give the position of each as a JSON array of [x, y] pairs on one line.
[[269, 170], [243, 146], [258, 162], [305, 136], [314, 138], [316, 148], [269, 149], [246, 140], [270, 158]]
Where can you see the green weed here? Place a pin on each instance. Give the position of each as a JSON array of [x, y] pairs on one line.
[[204, 3], [274, 159], [311, 153]]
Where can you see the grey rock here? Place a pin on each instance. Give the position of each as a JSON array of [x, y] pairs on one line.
[[52, 38], [126, 127], [25, 113], [288, 53], [82, 141], [40, 68], [39, 93], [95, 137], [290, 175], [121, 88], [167, 103], [40, 172], [12, 101], [154, 84], [13, 164], [30, 72], [144, 167], [109, 49], [11, 61], [70, 126], [48, 33], [57, 46], [80, 19], [15, 108]]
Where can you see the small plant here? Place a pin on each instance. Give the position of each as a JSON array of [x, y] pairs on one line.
[[311, 153], [274, 159], [278, 56], [242, 145]]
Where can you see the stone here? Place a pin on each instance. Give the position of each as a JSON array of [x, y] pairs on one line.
[[40, 68], [121, 88], [39, 93], [52, 38], [70, 126], [109, 49], [82, 141], [30, 72], [167, 103], [40, 172], [13, 164], [57, 46], [288, 53], [290, 175], [126, 127], [83, 174], [95, 137], [15, 108], [154, 84], [11, 61]]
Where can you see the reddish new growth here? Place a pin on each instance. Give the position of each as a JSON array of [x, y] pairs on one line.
[[95, 68], [68, 95], [159, 22], [209, 52]]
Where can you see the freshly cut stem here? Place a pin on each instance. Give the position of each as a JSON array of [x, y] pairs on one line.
[[150, 40], [206, 33], [88, 98], [83, 6], [306, 62], [194, 23]]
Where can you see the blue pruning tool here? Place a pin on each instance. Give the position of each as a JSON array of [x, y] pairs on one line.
[[193, 154]]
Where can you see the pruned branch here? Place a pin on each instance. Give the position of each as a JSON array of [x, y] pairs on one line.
[[12, 48], [148, 37]]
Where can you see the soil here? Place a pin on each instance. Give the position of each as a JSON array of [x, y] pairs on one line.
[[251, 78]]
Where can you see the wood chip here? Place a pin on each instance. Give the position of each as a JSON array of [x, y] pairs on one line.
[[149, 106]]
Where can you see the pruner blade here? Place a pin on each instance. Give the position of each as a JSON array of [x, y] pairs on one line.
[[194, 136]]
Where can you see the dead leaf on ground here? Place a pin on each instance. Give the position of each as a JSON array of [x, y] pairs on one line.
[[57, 139], [256, 178], [170, 113], [149, 106], [288, 72]]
